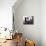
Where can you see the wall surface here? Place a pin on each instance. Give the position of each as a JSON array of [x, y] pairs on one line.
[[6, 13], [43, 22], [29, 8]]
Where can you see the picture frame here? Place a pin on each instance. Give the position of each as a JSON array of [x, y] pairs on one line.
[[28, 19]]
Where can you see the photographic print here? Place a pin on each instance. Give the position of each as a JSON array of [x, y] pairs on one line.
[[28, 19]]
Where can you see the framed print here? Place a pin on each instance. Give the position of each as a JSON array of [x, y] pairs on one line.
[[28, 19]]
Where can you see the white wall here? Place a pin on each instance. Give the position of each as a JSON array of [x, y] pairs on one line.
[[29, 8], [6, 13], [43, 22]]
